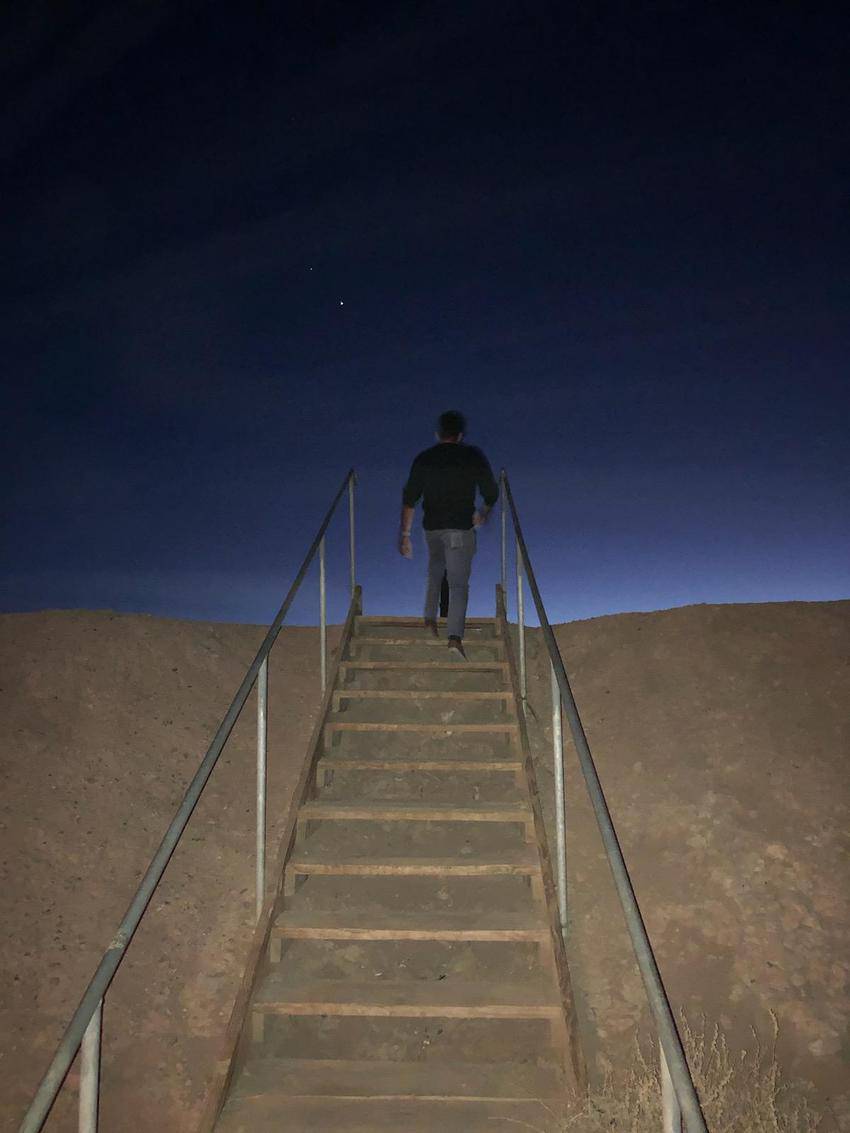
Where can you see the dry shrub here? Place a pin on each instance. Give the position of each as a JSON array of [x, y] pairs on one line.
[[739, 1093]]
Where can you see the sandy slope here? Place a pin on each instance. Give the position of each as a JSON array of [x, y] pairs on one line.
[[105, 718], [721, 738]]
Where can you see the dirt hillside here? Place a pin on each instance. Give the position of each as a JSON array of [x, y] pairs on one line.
[[721, 737]]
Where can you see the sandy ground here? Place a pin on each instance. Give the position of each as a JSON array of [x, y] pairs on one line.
[[721, 738], [105, 719], [720, 735]]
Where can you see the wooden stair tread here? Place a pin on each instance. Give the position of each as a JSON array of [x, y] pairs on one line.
[[412, 620], [428, 666], [303, 1077], [368, 1115], [429, 642], [380, 811], [411, 763], [516, 860], [378, 726], [444, 999], [391, 924], [416, 694]]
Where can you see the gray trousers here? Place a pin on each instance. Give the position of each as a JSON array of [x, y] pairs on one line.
[[450, 552]]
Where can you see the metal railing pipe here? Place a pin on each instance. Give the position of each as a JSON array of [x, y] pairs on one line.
[[503, 517], [262, 752], [520, 617], [323, 618], [671, 1111], [560, 800], [112, 957], [352, 479], [659, 1004], [89, 1100]]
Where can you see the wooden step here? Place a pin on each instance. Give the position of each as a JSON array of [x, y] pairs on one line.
[[380, 811], [409, 763], [510, 727], [451, 998], [390, 924], [408, 620], [415, 694], [368, 1115], [379, 1079], [518, 861], [428, 666], [430, 642]]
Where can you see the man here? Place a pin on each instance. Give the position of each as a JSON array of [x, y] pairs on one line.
[[446, 476]]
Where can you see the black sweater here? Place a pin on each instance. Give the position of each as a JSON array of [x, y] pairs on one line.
[[446, 476]]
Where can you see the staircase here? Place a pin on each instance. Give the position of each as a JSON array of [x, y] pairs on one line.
[[414, 976]]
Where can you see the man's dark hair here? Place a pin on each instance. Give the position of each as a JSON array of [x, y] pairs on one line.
[[450, 425]]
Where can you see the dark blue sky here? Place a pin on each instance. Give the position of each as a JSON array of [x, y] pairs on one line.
[[614, 235]]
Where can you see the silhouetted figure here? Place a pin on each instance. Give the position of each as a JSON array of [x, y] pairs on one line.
[[446, 478]]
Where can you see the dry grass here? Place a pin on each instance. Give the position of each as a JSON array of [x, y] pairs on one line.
[[740, 1092]]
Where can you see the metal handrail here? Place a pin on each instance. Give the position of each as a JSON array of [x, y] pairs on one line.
[[679, 1096], [84, 1029]]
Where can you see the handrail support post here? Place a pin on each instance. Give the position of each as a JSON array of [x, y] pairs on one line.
[[520, 613], [504, 541], [560, 799], [262, 752], [351, 561], [671, 1112], [323, 617], [89, 1100]]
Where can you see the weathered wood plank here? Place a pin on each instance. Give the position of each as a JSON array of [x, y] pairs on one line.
[[304, 1077], [518, 862], [407, 1115], [510, 727], [390, 924], [418, 694], [414, 812], [429, 642], [443, 999], [408, 763], [407, 620], [430, 666]]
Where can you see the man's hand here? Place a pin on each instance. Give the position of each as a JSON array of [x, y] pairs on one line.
[[480, 517], [405, 547]]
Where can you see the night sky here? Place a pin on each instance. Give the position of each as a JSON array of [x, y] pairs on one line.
[[247, 246]]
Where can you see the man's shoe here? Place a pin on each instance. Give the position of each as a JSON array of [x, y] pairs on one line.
[[431, 623], [456, 651]]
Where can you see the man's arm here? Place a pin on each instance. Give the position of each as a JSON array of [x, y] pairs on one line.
[[410, 494], [488, 488], [405, 547]]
